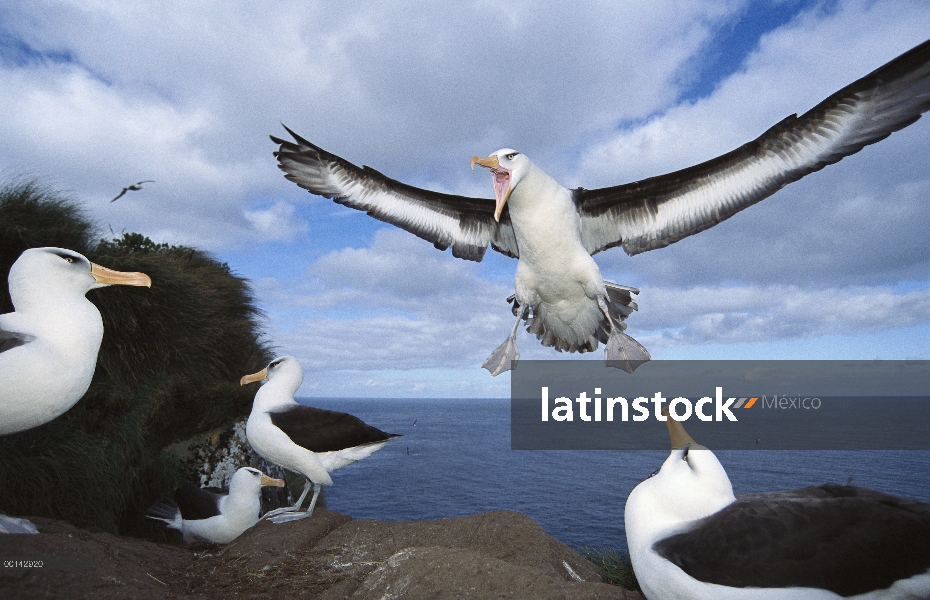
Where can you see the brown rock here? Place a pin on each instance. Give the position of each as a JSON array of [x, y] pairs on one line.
[[499, 554], [438, 572], [83, 564]]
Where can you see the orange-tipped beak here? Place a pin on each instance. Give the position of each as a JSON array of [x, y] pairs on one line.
[[676, 431], [260, 376], [110, 277], [271, 481], [501, 181]]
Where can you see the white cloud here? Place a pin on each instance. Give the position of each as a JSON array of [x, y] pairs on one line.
[[277, 223], [96, 95], [728, 314]]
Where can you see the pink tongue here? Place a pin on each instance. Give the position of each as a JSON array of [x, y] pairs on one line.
[[501, 182]]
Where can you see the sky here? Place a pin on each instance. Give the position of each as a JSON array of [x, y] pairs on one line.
[[95, 95]]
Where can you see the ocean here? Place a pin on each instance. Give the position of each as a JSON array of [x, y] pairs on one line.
[[455, 459]]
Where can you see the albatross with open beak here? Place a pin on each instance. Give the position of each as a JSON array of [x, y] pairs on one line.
[[553, 231], [49, 344]]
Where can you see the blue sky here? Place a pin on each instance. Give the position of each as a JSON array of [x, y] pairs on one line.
[[94, 96]]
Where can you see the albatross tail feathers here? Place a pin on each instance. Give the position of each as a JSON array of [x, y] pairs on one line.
[[167, 511]]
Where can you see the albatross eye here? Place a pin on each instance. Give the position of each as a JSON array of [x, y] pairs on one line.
[[511, 156]]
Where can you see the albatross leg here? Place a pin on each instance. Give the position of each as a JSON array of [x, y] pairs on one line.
[[288, 509], [622, 351], [296, 516], [506, 354]]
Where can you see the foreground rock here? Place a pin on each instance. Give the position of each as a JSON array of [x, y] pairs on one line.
[[498, 554]]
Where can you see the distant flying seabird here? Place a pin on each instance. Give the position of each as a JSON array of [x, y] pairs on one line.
[[553, 231], [49, 344], [690, 539], [212, 515], [311, 441], [132, 188]]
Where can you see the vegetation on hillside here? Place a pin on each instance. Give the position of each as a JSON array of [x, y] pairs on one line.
[[616, 568], [168, 368]]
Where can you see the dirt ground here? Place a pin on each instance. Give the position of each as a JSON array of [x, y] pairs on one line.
[[499, 554]]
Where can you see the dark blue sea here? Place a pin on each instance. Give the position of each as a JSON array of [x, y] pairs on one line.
[[456, 460]]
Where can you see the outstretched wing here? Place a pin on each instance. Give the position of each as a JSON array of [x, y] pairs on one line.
[[466, 225], [656, 212]]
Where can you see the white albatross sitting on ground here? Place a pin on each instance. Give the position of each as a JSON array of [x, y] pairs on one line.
[[212, 515], [49, 344], [690, 539], [553, 230], [307, 440]]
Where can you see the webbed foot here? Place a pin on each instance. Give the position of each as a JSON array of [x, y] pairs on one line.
[[503, 358], [623, 352]]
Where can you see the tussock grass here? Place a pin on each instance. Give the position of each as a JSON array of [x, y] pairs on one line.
[[616, 568], [168, 368]]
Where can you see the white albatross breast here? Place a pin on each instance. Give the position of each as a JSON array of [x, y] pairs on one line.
[[553, 231], [304, 439], [49, 344], [212, 515], [690, 539]]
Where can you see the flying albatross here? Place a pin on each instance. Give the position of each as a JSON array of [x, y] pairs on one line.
[[691, 539], [307, 440], [135, 187], [49, 344], [553, 230], [212, 515]]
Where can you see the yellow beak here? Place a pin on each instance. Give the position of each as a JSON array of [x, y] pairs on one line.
[[260, 376], [676, 432], [110, 277], [271, 481], [501, 181]]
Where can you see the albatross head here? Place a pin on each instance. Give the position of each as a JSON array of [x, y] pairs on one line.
[[248, 481], [283, 371], [508, 167], [43, 273], [691, 484]]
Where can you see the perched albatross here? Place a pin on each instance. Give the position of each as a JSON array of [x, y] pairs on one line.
[[49, 344], [212, 515], [311, 441], [690, 538], [553, 231]]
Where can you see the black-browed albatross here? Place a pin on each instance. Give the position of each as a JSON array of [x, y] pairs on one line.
[[690, 538], [49, 344], [553, 231], [307, 440], [212, 515]]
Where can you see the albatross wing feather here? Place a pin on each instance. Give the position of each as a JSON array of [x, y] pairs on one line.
[[321, 430], [659, 211], [13, 339], [465, 224], [844, 539], [197, 503]]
